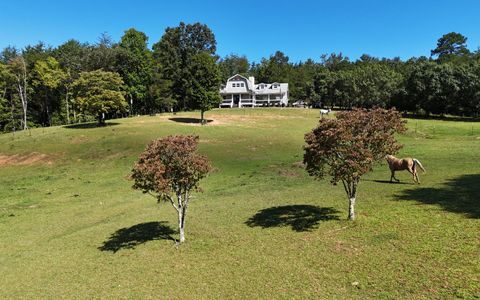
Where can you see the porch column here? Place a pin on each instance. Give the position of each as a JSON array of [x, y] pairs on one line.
[[231, 101], [268, 100], [239, 100]]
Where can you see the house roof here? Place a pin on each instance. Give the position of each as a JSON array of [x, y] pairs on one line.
[[249, 83], [268, 88]]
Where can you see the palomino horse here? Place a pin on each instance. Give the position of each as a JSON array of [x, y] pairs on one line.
[[399, 164]]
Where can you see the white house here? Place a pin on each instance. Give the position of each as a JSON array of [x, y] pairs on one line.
[[241, 92]]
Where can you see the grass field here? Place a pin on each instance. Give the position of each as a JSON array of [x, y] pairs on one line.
[[72, 227]]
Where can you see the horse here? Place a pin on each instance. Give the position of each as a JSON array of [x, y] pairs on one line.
[[409, 164], [324, 112]]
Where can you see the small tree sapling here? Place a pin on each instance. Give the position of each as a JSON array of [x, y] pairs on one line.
[[170, 169], [347, 147]]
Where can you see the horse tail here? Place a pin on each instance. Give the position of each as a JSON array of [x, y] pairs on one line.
[[417, 162]]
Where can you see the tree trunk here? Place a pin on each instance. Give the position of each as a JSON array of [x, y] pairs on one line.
[[351, 209], [49, 117], [352, 199], [351, 190], [66, 102], [181, 225], [101, 119], [23, 93], [24, 107], [21, 89], [182, 205], [12, 111]]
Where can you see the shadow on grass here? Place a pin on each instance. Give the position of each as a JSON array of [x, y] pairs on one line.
[[441, 118], [129, 238], [299, 217], [89, 125], [390, 182], [458, 195], [189, 120]]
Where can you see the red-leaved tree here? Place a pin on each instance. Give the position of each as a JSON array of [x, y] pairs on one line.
[[170, 169], [347, 147]]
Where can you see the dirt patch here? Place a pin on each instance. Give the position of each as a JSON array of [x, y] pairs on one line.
[[25, 160], [299, 165], [210, 123], [289, 173], [79, 140], [208, 141], [247, 119]]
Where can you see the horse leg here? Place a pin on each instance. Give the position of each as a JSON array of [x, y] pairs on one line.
[[393, 176], [414, 174]]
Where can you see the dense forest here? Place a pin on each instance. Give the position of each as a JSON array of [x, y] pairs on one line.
[[75, 82]]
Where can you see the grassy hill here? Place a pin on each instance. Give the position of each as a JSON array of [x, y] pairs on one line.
[[72, 227]]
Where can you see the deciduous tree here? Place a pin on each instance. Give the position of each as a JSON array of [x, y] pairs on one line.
[[99, 92], [203, 91], [346, 148], [175, 51], [5, 81], [233, 64], [48, 76], [170, 169], [18, 69], [134, 63]]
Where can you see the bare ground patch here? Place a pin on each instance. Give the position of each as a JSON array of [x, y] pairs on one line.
[[246, 120], [79, 139], [25, 160], [289, 173]]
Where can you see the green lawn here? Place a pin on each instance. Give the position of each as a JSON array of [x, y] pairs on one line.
[[72, 227]]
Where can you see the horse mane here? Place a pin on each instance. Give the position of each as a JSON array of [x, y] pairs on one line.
[[389, 157]]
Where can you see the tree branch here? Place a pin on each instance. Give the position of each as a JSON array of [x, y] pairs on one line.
[[346, 187], [169, 198]]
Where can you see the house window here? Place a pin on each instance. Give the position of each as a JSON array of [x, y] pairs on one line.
[[234, 85], [241, 84]]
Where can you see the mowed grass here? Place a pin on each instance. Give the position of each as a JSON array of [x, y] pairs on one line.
[[71, 226]]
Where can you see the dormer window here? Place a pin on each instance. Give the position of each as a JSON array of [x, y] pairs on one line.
[[241, 84]]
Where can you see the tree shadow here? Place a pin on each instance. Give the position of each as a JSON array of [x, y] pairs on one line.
[[189, 120], [458, 195], [441, 118], [130, 237], [89, 125], [389, 182], [299, 217]]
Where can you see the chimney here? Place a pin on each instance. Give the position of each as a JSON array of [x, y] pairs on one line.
[[252, 80]]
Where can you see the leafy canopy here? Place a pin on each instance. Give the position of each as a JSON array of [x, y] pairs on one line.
[[452, 43], [203, 90], [346, 148], [170, 165], [48, 73], [134, 63], [174, 53], [99, 92]]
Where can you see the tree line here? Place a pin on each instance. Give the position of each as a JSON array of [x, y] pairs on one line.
[[74, 82]]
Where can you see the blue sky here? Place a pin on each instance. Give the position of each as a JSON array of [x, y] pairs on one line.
[[301, 29]]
